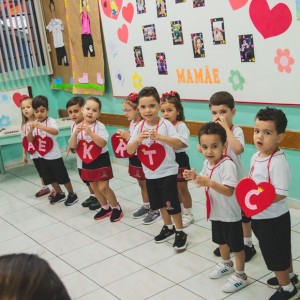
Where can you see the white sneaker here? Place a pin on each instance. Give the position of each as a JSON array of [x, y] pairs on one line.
[[220, 270], [234, 284], [187, 219]]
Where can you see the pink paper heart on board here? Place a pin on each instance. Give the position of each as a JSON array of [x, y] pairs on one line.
[[123, 33], [270, 22], [127, 12], [17, 98], [237, 4], [111, 8]]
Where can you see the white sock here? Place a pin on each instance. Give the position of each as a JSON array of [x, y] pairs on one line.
[[146, 205], [291, 275], [179, 229], [170, 226], [106, 206], [93, 195], [288, 288], [248, 241], [228, 263], [188, 211]]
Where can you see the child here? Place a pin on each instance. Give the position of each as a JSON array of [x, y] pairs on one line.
[[272, 226], [43, 131], [157, 138], [135, 167], [74, 109], [222, 109], [93, 136], [28, 116], [219, 177], [172, 110]]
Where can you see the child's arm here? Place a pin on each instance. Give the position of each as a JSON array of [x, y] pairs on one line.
[[24, 156], [278, 198], [73, 139], [50, 130], [97, 139], [30, 136], [123, 134], [171, 141]]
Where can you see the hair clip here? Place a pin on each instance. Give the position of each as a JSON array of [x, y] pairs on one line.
[[169, 94], [133, 97]]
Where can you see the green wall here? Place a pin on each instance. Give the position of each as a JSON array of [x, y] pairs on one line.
[[196, 111]]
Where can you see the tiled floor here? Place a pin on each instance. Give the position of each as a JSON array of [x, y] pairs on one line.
[[104, 260]]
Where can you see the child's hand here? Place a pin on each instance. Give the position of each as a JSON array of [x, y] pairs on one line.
[[154, 135], [143, 135], [189, 174], [34, 124], [123, 134], [78, 128], [86, 128], [202, 180], [223, 122]]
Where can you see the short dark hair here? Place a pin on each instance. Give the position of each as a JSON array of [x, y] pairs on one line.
[[213, 128], [222, 98], [149, 91], [95, 99], [74, 101], [275, 115], [39, 101]]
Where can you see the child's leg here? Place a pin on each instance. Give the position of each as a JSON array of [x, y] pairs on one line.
[[91, 190], [57, 187], [69, 187], [177, 219], [142, 184], [96, 191], [108, 193], [225, 252], [166, 217], [283, 277], [184, 196], [239, 261]]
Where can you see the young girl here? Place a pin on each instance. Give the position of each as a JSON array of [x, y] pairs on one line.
[[135, 170], [172, 110], [90, 139], [28, 116], [154, 140]]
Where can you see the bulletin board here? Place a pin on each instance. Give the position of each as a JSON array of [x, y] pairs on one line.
[[249, 48]]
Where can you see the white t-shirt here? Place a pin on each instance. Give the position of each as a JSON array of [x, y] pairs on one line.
[[280, 178], [237, 159], [97, 128], [24, 132], [56, 27], [184, 135], [54, 153], [78, 160], [168, 166], [223, 208]]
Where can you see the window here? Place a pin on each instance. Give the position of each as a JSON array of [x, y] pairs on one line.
[[23, 46]]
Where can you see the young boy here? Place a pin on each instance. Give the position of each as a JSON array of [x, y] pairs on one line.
[[74, 108], [272, 226], [219, 177], [43, 132], [222, 109]]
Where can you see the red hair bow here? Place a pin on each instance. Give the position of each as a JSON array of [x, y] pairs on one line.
[[168, 94], [133, 97]]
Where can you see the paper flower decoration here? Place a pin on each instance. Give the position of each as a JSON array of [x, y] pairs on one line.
[[236, 79], [284, 60], [136, 81], [4, 121]]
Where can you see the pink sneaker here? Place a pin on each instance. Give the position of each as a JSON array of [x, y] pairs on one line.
[[42, 192]]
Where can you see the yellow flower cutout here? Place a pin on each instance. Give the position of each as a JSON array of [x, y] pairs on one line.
[[136, 81]]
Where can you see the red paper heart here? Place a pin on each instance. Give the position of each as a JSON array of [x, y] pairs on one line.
[[119, 146], [237, 4], [111, 8], [123, 33], [17, 97], [127, 12], [270, 22], [152, 156], [254, 198], [43, 145], [28, 146], [88, 151]]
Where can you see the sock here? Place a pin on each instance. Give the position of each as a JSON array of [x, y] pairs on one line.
[[188, 211], [93, 195], [116, 207], [228, 263], [241, 274], [44, 186], [288, 288], [179, 229], [170, 226], [291, 275], [248, 241], [106, 206], [146, 205]]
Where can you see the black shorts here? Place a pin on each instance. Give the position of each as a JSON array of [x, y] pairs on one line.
[[245, 219], [87, 45], [230, 233], [162, 192], [61, 55], [274, 236], [54, 170], [184, 163], [84, 181], [37, 166], [135, 168]]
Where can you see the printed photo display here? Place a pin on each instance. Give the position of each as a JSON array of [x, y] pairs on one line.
[[161, 8], [218, 31], [180, 1], [138, 56], [161, 63], [149, 32], [140, 6], [177, 33], [246, 48], [198, 45], [198, 3]]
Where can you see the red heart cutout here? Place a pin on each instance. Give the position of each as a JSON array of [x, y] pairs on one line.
[[88, 151], [152, 156], [270, 22], [119, 146], [17, 97], [237, 4], [123, 33], [254, 198], [127, 12], [111, 8], [43, 145], [28, 146]]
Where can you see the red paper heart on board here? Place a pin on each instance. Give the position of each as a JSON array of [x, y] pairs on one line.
[[88, 151], [152, 156], [254, 198], [123, 33], [270, 22], [237, 4], [43, 145], [127, 12], [111, 8], [28, 146], [119, 146], [17, 97]]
